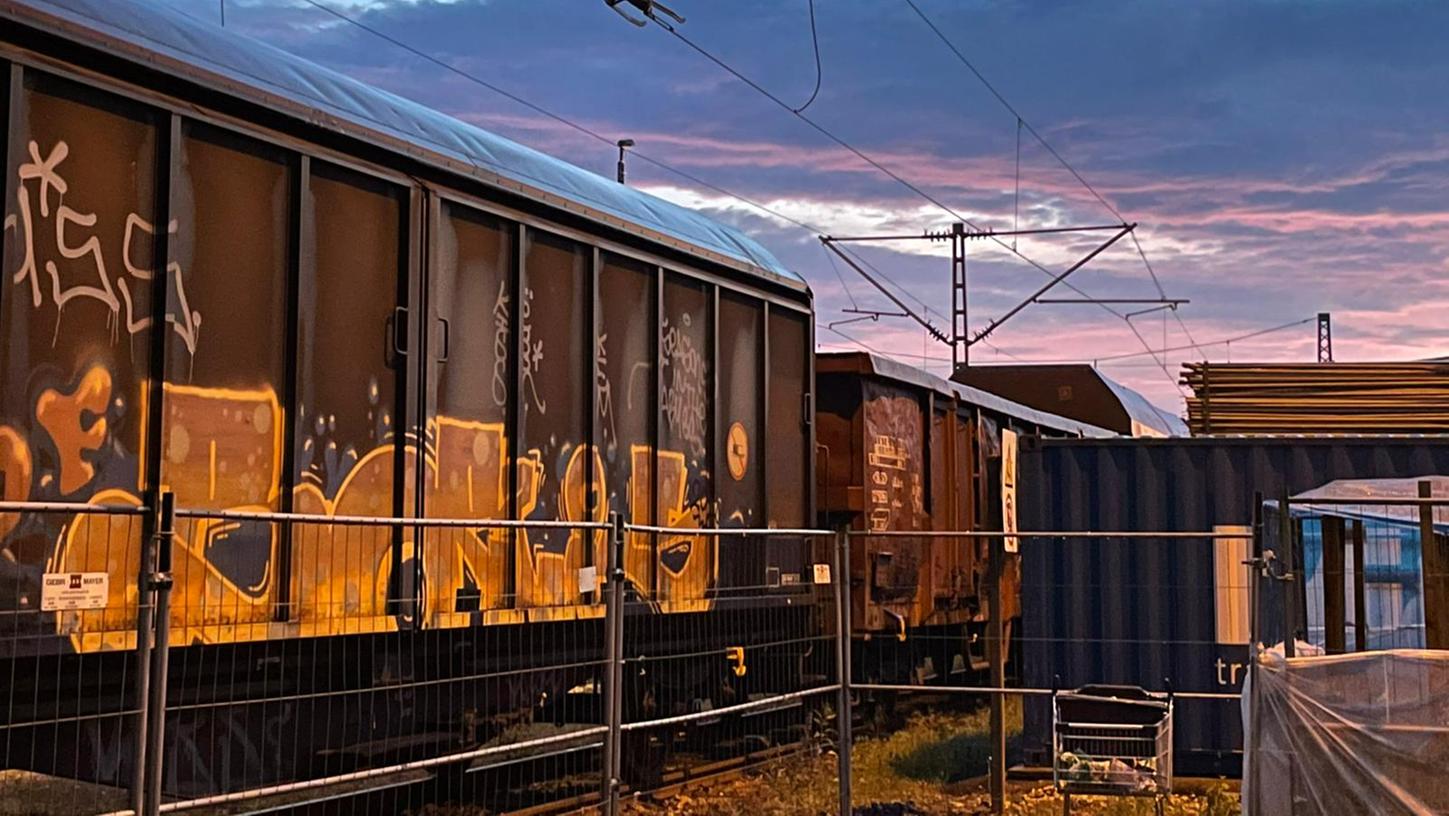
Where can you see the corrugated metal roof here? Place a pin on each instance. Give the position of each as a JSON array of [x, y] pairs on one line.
[[886, 367], [1142, 410], [1038, 384], [224, 60]]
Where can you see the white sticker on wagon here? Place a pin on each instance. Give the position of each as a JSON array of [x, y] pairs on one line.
[[74, 590], [822, 573]]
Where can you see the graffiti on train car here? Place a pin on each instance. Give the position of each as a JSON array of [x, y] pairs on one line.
[[100, 283], [682, 391], [895, 484], [222, 449]]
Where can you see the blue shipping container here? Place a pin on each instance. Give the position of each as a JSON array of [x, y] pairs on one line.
[[1143, 611]]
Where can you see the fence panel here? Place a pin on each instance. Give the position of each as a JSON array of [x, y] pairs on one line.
[[933, 710], [389, 664], [731, 666], [74, 679], [401, 662], [1346, 569]]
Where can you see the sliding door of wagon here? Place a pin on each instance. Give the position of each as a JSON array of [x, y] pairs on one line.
[[351, 447], [469, 383], [685, 459], [557, 461], [788, 450], [741, 405], [81, 195], [625, 401], [223, 433]]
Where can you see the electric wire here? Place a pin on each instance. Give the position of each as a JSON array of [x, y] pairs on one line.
[[1011, 248], [815, 42], [637, 154], [1022, 123], [843, 285], [645, 157], [594, 134]]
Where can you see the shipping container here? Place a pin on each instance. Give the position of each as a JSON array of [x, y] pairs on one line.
[[1153, 611]]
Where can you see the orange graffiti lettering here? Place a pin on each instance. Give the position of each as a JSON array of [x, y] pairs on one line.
[[15, 467], [76, 423]]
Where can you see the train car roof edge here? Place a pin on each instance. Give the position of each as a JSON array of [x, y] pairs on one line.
[[198, 51], [885, 367]]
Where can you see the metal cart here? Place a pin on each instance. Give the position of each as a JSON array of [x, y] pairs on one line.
[[1112, 741]]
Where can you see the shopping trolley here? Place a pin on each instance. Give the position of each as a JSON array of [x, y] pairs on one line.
[[1112, 741]]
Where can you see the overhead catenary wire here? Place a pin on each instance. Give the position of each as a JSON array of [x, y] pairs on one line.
[[1021, 123], [822, 130], [662, 165], [841, 275], [637, 153]]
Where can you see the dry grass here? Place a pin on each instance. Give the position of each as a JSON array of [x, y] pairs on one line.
[[932, 766]]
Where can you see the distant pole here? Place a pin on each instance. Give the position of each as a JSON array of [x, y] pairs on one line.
[[223, 13], [1325, 338], [623, 145]]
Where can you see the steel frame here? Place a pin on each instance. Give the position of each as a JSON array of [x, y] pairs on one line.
[[960, 338]]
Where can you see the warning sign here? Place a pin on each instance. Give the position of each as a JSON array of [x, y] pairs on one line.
[[822, 573], [74, 590], [1010, 544]]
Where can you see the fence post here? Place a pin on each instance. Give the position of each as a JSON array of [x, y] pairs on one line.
[[613, 666], [159, 582], [1255, 577], [1290, 600], [1435, 570], [145, 639], [843, 711], [996, 656]]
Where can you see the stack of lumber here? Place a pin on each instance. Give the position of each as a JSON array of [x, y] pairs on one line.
[[1321, 398]]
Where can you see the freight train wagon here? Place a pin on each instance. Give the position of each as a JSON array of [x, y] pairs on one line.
[[902, 449], [261, 285]]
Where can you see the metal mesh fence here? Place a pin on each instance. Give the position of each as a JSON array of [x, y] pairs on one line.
[[744, 671], [1343, 574], [1370, 571], [406, 666], [971, 675], [75, 682], [538, 666]]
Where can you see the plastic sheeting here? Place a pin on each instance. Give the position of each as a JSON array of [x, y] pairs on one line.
[[1367, 492], [1366, 733]]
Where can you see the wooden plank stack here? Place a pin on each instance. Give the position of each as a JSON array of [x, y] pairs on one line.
[[1318, 398]]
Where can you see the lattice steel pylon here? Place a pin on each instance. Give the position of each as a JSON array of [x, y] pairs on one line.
[[1325, 338]]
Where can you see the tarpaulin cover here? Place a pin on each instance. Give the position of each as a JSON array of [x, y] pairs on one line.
[[1348, 734], [1367, 491], [201, 51]]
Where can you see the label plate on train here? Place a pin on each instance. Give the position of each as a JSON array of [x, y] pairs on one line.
[[74, 590]]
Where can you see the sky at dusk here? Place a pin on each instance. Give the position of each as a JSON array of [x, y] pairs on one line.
[[1283, 157]]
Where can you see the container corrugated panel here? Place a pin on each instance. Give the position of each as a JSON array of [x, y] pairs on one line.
[[1141, 611]]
